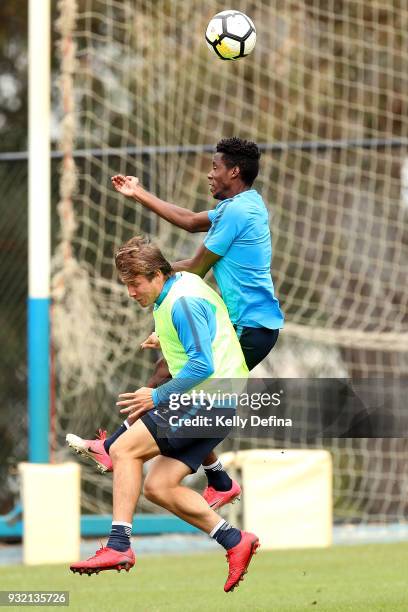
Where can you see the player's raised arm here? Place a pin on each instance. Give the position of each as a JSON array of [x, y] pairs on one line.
[[191, 221]]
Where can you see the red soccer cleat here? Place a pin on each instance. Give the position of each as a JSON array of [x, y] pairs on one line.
[[93, 449], [239, 558], [215, 499], [105, 559]]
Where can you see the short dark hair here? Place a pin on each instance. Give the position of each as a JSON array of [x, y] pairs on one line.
[[138, 256], [242, 153]]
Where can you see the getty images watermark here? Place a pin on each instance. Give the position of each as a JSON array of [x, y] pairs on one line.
[[219, 402], [295, 410]]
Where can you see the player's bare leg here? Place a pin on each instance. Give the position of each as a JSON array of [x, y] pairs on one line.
[[128, 454], [163, 487]]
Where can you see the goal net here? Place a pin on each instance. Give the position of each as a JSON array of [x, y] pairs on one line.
[[324, 95]]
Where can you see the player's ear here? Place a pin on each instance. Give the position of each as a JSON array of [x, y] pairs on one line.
[[235, 172]]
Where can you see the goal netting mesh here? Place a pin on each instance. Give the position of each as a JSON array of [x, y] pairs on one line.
[[325, 95]]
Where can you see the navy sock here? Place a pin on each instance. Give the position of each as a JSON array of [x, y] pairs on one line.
[[226, 535], [109, 441], [217, 476], [119, 538]]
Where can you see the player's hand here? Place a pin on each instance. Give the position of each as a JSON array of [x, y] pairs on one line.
[[136, 404], [126, 185], [152, 342]]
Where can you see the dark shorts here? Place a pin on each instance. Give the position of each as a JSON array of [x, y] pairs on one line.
[[256, 343], [190, 451]]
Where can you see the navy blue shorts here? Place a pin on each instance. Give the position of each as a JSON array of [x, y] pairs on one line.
[[190, 451], [256, 343]]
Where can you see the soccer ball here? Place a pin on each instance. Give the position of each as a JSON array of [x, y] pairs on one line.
[[230, 35]]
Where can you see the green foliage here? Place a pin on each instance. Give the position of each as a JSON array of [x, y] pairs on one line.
[[13, 70]]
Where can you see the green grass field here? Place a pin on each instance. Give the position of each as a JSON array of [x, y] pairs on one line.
[[356, 578]]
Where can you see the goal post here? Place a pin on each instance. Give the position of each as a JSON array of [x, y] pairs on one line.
[[39, 250]]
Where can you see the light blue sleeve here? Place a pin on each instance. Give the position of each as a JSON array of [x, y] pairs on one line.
[[226, 227], [211, 215], [195, 323]]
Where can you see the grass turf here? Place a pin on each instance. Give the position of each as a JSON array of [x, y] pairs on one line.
[[355, 578]]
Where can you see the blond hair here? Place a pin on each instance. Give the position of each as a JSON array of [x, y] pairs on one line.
[[138, 256]]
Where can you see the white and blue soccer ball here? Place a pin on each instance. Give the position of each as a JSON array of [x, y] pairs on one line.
[[230, 35]]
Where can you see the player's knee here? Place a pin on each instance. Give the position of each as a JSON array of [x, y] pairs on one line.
[[152, 493], [154, 490], [115, 452], [119, 451], [130, 447]]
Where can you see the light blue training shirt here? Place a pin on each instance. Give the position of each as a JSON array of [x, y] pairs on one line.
[[240, 234]]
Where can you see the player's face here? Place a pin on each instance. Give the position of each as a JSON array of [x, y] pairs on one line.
[[145, 291], [220, 178]]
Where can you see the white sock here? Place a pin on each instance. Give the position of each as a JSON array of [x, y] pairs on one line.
[[216, 466], [127, 526], [217, 527]]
